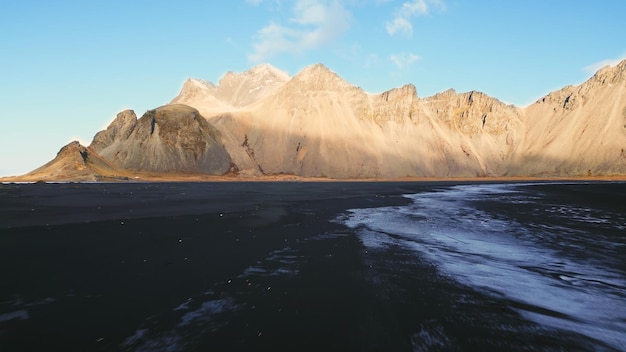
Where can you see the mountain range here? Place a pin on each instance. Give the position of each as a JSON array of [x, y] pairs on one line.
[[315, 124]]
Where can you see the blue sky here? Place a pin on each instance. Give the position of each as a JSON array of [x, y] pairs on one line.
[[68, 67]]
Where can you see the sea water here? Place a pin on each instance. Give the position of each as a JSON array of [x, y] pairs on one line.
[[557, 263]]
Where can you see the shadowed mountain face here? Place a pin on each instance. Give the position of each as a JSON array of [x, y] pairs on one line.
[[316, 124], [172, 138]]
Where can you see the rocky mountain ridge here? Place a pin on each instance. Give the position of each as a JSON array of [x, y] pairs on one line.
[[172, 138], [315, 124], [234, 90]]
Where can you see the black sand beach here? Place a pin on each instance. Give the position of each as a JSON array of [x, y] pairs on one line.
[[235, 266], [111, 255]]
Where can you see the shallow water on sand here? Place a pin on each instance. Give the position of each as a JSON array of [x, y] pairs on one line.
[[403, 267], [560, 264]]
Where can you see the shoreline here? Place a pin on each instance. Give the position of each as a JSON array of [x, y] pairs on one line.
[[182, 178], [62, 203]]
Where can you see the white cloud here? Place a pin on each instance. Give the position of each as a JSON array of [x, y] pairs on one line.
[[401, 23], [313, 24], [594, 67], [403, 61], [310, 12]]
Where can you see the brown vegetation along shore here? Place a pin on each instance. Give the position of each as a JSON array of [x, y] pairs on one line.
[[177, 177]]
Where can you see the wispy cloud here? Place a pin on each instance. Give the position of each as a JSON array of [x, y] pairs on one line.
[[401, 23], [313, 24], [403, 61], [606, 62]]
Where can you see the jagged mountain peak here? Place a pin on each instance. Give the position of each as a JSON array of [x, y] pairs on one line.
[[233, 89], [318, 67], [319, 77], [315, 70], [445, 94], [200, 83], [70, 148], [241, 89], [475, 95], [569, 97], [407, 93], [611, 74], [267, 70], [407, 89], [262, 74], [121, 128], [193, 89]]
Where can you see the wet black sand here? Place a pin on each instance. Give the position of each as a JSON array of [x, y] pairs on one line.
[[108, 256], [86, 266]]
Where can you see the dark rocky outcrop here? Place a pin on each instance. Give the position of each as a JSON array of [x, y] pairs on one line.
[[172, 138], [119, 129]]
